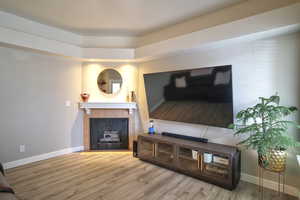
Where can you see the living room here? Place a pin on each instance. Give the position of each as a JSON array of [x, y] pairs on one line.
[[55, 68]]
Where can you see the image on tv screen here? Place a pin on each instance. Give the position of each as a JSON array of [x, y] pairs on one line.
[[199, 96]]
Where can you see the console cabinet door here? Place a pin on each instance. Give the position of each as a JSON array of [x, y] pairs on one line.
[[218, 168], [189, 160], [165, 153], [146, 148]]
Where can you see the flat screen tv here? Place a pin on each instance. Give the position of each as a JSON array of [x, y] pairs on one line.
[[199, 96]]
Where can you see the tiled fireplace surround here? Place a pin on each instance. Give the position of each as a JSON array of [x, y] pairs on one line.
[[111, 110]]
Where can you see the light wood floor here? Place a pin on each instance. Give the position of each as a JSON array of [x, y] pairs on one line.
[[115, 176]]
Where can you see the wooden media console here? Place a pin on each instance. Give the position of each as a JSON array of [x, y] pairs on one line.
[[214, 163]]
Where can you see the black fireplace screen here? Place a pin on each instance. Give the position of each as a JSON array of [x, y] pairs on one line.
[[109, 133]]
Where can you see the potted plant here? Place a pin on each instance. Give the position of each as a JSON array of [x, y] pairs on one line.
[[266, 131]]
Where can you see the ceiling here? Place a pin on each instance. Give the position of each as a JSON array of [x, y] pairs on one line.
[[112, 17]]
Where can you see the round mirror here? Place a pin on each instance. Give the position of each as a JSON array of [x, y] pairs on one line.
[[109, 81]]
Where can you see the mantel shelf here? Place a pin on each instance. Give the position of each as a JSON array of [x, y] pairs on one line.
[[88, 106]]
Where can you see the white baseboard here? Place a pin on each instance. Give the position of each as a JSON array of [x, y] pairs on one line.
[[270, 184], [45, 156]]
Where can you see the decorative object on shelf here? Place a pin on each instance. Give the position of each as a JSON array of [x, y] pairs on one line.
[[133, 96], [110, 81], [151, 127], [220, 160], [85, 96], [208, 157], [128, 98], [195, 154], [266, 128]]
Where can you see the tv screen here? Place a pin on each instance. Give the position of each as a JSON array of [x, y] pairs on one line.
[[199, 96]]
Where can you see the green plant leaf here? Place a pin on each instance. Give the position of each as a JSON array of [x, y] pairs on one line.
[[265, 125], [231, 126], [274, 99], [293, 109]]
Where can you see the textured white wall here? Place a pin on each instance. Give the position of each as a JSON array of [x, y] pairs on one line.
[[34, 88], [260, 68]]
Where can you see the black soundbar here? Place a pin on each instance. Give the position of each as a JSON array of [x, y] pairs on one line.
[[195, 139]]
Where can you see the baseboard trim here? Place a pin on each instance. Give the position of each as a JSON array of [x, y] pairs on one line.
[[40, 157], [291, 190]]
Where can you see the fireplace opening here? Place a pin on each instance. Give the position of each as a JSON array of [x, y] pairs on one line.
[[108, 133]]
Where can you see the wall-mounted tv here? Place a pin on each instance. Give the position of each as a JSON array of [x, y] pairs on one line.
[[199, 96]]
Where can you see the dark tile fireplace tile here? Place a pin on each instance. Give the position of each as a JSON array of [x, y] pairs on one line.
[[108, 133]]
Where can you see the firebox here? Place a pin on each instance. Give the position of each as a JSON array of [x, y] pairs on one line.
[[108, 133]]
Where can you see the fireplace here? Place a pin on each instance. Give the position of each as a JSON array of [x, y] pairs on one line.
[[108, 133], [102, 111]]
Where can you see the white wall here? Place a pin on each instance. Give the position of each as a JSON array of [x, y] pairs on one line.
[[34, 88], [260, 68]]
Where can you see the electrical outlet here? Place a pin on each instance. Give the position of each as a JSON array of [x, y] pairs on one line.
[[22, 148]]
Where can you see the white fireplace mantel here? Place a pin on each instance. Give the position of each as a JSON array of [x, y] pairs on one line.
[[108, 105]]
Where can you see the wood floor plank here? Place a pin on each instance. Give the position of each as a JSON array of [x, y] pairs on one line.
[[43, 171], [93, 181], [116, 176], [52, 175], [74, 177]]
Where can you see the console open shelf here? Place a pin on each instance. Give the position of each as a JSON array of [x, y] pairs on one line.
[[188, 157]]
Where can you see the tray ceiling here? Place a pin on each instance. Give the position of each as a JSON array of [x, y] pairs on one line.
[[112, 17]]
